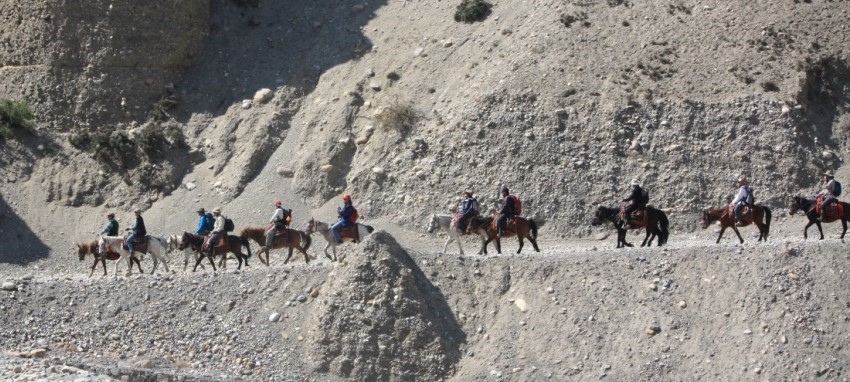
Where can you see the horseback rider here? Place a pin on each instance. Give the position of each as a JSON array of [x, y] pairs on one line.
[[509, 209], [345, 217], [278, 222], [217, 231], [111, 228], [468, 210], [638, 200], [744, 198], [138, 230], [205, 222], [828, 194]]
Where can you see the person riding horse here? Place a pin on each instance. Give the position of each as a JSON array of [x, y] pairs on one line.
[[509, 210], [744, 198], [216, 233], [279, 221], [346, 213], [111, 228], [206, 221], [828, 195], [138, 230], [468, 210], [637, 200]]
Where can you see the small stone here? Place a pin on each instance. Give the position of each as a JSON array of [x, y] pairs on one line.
[[370, 73], [301, 298], [783, 339], [683, 304], [18, 369], [9, 286], [314, 293], [357, 8], [191, 186], [601, 236], [274, 317], [516, 370], [480, 329], [828, 154], [652, 287], [374, 85], [38, 353], [748, 331], [246, 104], [550, 290], [285, 172], [144, 363], [263, 95], [419, 52], [378, 170], [217, 184], [793, 276], [361, 140], [327, 168], [521, 304]]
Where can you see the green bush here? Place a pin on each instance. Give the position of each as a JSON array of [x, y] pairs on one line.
[[15, 115], [470, 11]]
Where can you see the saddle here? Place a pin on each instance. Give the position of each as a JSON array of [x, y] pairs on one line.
[[639, 218], [832, 212], [352, 233], [140, 244], [746, 214], [510, 226], [222, 242]]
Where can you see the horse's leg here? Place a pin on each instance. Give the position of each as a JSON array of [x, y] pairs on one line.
[[844, 228], [138, 264], [719, 236], [521, 242], [498, 245], [306, 257], [446, 247], [484, 243], [93, 266], [289, 254], [534, 244], [646, 238], [198, 261], [212, 262], [103, 262], [738, 233], [820, 229]]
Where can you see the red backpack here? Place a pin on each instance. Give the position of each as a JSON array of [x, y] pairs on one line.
[[517, 204], [354, 215]]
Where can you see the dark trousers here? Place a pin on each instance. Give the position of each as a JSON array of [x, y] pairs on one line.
[[463, 222], [738, 208], [216, 236], [503, 220], [631, 208]]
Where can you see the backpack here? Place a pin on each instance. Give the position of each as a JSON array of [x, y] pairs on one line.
[[228, 225], [476, 207], [750, 200], [517, 204], [644, 196], [837, 189], [209, 221], [354, 215]]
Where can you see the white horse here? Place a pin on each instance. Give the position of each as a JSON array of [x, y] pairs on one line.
[[156, 247], [314, 225], [173, 243], [445, 222]]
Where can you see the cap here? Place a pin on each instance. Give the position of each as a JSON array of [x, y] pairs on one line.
[[278, 203], [201, 210], [346, 197], [505, 190]]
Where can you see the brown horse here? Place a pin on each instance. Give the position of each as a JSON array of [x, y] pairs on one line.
[[92, 248], [228, 244], [655, 221], [518, 226], [758, 215], [831, 214], [291, 239]]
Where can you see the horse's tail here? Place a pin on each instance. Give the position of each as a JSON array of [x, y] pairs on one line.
[[665, 227], [306, 239], [246, 244], [533, 227], [767, 215]]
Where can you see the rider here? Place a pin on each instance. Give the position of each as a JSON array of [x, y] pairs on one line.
[[217, 231], [636, 200], [278, 222], [828, 192], [138, 229], [743, 198], [205, 222], [467, 211], [345, 217], [111, 228], [509, 209]]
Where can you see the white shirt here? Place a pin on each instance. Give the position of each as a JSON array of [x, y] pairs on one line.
[[278, 215]]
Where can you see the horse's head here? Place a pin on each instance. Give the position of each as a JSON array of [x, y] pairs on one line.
[[706, 219], [795, 205], [433, 224], [82, 251], [311, 226], [184, 240], [600, 216]]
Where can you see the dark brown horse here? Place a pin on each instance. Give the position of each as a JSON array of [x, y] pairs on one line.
[[92, 248], [832, 214], [655, 221], [518, 226], [228, 244], [758, 215], [291, 239]]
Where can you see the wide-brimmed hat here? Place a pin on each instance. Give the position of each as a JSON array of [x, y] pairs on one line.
[[201, 210], [110, 215], [635, 182], [467, 192], [829, 173], [217, 211], [137, 210]]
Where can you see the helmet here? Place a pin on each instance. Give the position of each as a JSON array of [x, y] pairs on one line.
[[278, 203], [201, 210], [217, 211], [635, 182], [346, 197]]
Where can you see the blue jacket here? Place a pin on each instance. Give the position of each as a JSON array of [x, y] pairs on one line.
[[205, 224], [345, 213], [467, 207]]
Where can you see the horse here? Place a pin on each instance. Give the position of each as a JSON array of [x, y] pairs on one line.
[[758, 214], [173, 243], [799, 203], [325, 230], [231, 244], [655, 222], [445, 222], [92, 248], [523, 229], [156, 247], [293, 240]]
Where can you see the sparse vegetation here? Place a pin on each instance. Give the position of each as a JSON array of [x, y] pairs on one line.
[[769, 86], [15, 116], [470, 11], [400, 116], [161, 108], [569, 20]]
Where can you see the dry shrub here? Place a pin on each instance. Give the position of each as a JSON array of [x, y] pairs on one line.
[[400, 116]]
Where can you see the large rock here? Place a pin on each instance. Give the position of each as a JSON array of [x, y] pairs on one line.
[[383, 319]]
